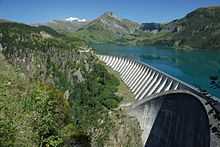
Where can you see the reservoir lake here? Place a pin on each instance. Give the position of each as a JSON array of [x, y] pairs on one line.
[[199, 67]]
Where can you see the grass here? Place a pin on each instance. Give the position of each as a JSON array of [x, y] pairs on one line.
[[13, 128], [123, 90], [125, 130]]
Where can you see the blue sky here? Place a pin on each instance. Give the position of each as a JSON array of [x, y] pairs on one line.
[[34, 11]]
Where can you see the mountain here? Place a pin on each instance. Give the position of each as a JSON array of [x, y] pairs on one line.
[[69, 25], [107, 28], [110, 22], [198, 29], [4, 20]]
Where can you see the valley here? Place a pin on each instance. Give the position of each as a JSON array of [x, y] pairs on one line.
[[56, 91]]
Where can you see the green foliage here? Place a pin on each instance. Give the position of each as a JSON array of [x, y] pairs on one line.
[[92, 100], [47, 104], [21, 36], [45, 98], [52, 141], [94, 36], [70, 131], [200, 29], [9, 91], [31, 114], [7, 130]]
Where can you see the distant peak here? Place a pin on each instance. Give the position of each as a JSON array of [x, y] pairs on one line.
[[110, 14], [4, 20], [72, 19]]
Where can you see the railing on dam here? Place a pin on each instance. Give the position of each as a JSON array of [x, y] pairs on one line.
[[144, 80]]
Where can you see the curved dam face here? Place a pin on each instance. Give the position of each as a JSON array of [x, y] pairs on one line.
[[143, 80], [170, 112], [181, 122]]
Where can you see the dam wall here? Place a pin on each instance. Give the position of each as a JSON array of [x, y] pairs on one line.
[[178, 126], [171, 113], [144, 80]]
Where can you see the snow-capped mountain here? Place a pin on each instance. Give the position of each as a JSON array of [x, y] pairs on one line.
[[67, 25]]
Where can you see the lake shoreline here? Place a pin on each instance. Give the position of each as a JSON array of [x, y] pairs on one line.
[[193, 67]]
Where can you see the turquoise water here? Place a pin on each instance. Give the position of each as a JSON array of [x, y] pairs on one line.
[[194, 67]]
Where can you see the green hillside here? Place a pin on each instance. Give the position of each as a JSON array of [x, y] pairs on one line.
[[51, 93], [198, 29], [107, 28]]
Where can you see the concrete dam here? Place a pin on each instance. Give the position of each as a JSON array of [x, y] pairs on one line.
[[171, 113]]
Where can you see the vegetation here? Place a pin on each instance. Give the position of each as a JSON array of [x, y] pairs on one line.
[[31, 114], [51, 94], [123, 90], [92, 101], [199, 29]]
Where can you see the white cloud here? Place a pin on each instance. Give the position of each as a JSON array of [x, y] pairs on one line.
[[71, 19]]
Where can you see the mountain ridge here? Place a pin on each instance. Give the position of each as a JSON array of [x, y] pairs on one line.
[[184, 33], [198, 29], [106, 28], [64, 26]]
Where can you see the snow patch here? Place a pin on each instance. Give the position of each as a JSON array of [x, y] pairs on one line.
[[71, 19]]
